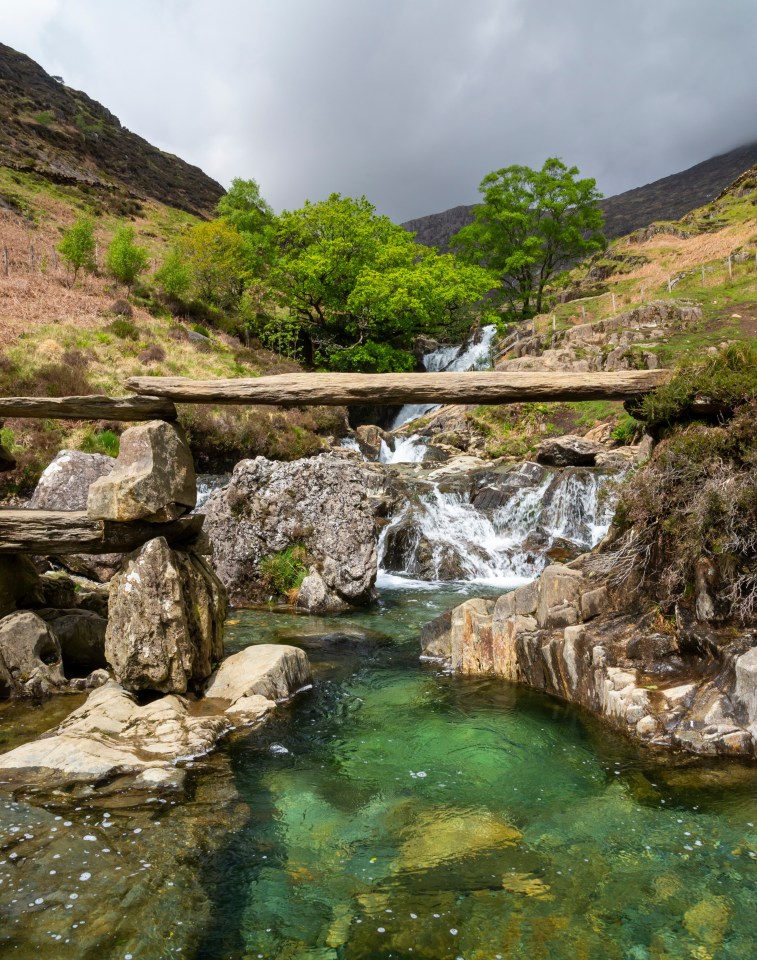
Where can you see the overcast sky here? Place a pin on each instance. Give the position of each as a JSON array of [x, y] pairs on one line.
[[409, 102]]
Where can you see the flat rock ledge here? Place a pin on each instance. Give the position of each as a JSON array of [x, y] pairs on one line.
[[112, 743], [565, 634]]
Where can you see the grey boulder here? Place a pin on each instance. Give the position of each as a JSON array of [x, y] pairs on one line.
[[154, 477], [30, 657], [166, 614]]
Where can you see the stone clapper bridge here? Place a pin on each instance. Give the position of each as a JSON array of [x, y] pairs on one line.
[[167, 607], [102, 529]]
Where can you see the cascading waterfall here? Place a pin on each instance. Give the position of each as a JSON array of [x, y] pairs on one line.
[[461, 357], [443, 536]]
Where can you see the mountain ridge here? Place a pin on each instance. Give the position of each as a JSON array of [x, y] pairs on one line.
[[60, 133], [668, 198]]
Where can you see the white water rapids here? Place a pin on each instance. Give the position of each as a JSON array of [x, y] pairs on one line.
[[442, 536]]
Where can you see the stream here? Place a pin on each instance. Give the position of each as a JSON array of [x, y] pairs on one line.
[[396, 811]]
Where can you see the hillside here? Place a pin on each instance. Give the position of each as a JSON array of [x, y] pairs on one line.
[[666, 199], [49, 129], [673, 293], [64, 156]]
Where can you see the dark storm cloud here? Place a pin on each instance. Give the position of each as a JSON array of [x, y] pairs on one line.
[[410, 102]]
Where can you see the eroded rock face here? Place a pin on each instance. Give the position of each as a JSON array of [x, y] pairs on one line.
[[153, 478], [30, 656], [165, 625], [567, 635], [328, 504], [64, 485]]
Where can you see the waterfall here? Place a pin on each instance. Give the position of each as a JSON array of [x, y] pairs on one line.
[[410, 449], [471, 356], [207, 483], [443, 536]]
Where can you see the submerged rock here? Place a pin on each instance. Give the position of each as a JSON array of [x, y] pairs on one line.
[[327, 504], [153, 478], [166, 614]]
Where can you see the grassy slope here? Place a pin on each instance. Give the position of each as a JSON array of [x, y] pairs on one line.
[[706, 237], [58, 338]]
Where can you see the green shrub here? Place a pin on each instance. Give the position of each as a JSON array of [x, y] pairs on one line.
[[626, 430], [284, 571], [124, 329], [101, 441], [174, 278], [369, 357], [726, 380]]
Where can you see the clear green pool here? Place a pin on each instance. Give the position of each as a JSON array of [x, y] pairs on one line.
[[418, 814], [398, 812]]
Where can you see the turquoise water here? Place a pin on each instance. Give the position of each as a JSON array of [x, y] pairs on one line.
[[394, 811], [397, 811]]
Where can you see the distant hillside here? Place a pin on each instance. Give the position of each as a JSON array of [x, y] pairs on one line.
[[49, 129], [666, 199]]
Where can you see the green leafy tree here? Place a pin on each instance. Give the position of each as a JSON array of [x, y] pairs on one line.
[[361, 289], [77, 246], [218, 261], [124, 259], [243, 207], [174, 277], [530, 226]]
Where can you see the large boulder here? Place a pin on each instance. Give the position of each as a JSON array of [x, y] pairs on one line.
[[165, 624], [64, 485], [327, 504], [270, 670], [154, 477], [568, 451], [30, 657]]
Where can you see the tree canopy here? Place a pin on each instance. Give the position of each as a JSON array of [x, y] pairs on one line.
[[361, 289], [530, 226]]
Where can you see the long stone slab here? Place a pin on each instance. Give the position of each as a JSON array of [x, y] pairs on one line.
[[335, 389], [89, 408], [58, 532]]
